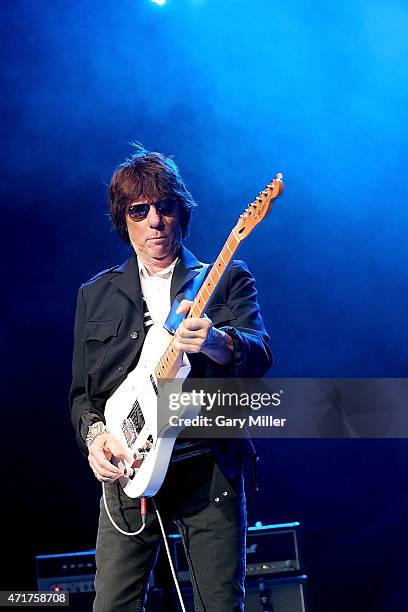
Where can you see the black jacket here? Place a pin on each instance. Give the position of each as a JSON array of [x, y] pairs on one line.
[[109, 335]]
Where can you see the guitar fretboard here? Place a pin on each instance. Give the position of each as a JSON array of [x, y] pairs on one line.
[[171, 355], [253, 214]]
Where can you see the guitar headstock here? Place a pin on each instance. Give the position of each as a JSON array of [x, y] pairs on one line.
[[259, 208]]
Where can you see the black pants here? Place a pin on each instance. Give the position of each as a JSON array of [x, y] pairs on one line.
[[213, 535]]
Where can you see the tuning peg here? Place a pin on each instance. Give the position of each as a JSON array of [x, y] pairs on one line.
[[279, 176]]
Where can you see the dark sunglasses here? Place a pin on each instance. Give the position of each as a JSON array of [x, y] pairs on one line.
[[138, 212]]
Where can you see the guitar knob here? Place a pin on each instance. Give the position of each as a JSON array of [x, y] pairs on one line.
[[129, 472]]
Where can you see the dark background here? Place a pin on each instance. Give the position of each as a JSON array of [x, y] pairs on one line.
[[236, 91]]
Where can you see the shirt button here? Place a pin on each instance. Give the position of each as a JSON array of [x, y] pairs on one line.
[[225, 493], [121, 368], [217, 499], [134, 335]]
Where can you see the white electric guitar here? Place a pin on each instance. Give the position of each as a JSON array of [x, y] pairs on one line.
[[131, 412]]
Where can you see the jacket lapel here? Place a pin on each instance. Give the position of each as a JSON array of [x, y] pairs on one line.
[[187, 268]]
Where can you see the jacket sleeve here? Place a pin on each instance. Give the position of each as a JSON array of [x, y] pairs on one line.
[[252, 356], [83, 412]]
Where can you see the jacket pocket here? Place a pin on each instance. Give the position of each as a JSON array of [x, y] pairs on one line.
[[98, 337]]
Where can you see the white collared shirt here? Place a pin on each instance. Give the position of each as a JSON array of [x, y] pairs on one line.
[[156, 290]]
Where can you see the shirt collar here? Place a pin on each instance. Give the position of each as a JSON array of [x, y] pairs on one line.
[[165, 273]]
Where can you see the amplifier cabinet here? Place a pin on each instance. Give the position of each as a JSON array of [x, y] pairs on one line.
[[73, 572], [271, 550], [278, 595]]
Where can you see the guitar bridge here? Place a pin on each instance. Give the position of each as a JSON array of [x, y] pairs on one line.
[[133, 424], [129, 431]]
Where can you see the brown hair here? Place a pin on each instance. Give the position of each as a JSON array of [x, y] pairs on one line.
[[149, 176]]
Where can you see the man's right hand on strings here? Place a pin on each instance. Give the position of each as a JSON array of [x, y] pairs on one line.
[[103, 448]]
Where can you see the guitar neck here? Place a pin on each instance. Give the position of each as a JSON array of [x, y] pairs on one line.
[[252, 215], [170, 357], [213, 278]]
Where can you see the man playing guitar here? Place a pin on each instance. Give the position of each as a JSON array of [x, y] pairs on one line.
[[202, 492]]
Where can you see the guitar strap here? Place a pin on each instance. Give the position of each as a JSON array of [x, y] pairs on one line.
[[192, 288]]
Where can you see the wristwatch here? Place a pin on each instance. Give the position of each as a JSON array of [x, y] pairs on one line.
[[95, 430]]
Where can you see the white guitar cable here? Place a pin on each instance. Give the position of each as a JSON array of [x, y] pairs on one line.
[[143, 508], [142, 513], [173, 573]]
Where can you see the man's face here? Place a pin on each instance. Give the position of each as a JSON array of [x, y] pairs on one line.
[[156, 239]]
